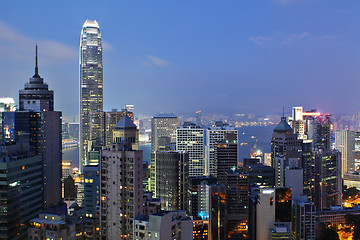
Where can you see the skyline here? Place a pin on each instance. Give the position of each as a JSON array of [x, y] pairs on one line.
[[269, 54]]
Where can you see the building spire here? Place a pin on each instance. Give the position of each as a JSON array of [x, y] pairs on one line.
[[283, 115], [36, 75]]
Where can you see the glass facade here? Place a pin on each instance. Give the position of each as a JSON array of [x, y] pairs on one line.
[[91, 81]]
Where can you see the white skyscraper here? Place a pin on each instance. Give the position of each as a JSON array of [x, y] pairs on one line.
[[345, 143], [91, 81], [190, 138], [215, 134]]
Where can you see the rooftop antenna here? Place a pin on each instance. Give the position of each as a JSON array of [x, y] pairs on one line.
[[283, 116], [36, 64]]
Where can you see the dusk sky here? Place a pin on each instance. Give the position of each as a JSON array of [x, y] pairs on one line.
[[183, 56]]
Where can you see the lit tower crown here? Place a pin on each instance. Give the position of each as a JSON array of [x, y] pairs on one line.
[[91, 82], [36, 95]]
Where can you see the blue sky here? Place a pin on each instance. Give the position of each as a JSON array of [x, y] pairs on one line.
[[184, 56]]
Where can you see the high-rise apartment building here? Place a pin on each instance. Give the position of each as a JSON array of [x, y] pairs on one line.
[[218, 133], [163, 130], [91, 82], [191, 138], [121, 190], [345, 143]]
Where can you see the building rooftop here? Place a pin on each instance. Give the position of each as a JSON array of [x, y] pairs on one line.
[[165, 115], [125, 122], [91, 23], [142, 218], [283, 126]]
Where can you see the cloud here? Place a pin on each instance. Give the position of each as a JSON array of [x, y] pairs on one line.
[[260, 40], [295, 37], [157, 61], [18, 46], [107, 46]]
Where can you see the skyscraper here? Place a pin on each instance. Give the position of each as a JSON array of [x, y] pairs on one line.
[[190, 138], [345, 143], [121, 188], [163, 130], [44, 124], [91, 81], [218, 133]]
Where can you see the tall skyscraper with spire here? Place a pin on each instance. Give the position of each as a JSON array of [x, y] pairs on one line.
[[36, 95], [91, 82], [37, 106]]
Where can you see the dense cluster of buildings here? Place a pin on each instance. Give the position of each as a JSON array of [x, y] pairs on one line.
[[195, 187]]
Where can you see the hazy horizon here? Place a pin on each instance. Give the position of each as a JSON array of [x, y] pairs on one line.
[[240, 57]]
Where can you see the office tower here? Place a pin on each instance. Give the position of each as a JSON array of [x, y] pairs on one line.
[[191, 138], [345, 143], [21, 189], [102, 125], [303, 219], [121, 190], [91, 82], [163, 225], [218, 133], [194, 193], [327, 179], [320, 130], [39, 102], [169, 179], [265, 213], [163, 130], [285, 149], [126, 131], [308, 166], [7, 105], [237, 191], [226, 156], [92, 200], [212, 207], [260, 175]]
